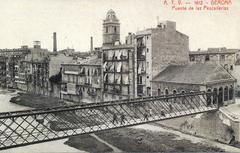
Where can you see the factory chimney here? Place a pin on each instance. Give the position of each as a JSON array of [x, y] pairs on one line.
[[54, 42], [91, 44]]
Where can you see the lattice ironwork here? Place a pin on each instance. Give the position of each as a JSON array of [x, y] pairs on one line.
[[39, 125]]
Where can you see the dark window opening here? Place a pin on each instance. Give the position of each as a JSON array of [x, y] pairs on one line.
[[148, 91], [106, 29], [192, 58], [214, 95], [174, 92], [222, 57], [159, 92], [209, 97], [207, 58], [226, 94], [220, 96], [231, 92]]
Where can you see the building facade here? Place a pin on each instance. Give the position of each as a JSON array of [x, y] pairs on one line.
[[26, 68], [118, 72], [157, 48], [82, 82], [196, 77], [228, 58], [10, 62]]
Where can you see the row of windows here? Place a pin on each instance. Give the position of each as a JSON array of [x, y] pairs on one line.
[[219, 94], [207, 57], [166, 92], [107, 29]]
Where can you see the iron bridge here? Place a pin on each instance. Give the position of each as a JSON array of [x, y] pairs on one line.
[[26, 127]]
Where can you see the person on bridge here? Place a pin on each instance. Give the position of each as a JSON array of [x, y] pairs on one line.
[[122, 119], [170, 107], [114, 119], [162, 113], [145, 117], [150, 112]]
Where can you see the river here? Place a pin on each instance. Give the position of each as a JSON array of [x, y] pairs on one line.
[[53, 146]]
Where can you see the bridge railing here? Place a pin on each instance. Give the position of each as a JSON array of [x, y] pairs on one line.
[[39, 125]]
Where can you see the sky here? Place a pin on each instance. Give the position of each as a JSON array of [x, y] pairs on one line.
[[75, 21]]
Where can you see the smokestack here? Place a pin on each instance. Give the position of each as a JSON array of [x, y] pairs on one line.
[[91, 44], [54, 42]]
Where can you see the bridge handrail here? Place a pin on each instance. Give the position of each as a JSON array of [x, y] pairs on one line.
[[94, 105]]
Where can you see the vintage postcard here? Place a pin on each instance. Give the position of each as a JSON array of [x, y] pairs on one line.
[[119, 76]]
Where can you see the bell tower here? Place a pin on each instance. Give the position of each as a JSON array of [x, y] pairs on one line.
[[111, 29]]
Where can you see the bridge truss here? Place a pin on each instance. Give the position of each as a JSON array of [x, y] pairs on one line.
[[26, 127]]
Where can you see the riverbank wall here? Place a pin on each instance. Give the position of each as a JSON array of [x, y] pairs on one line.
[[218, 126]]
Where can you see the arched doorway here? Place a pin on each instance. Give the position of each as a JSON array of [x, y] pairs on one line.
[[166, 94], [220, 96], [159, 92], [226, 93], [174, 92], [231, 92], [215, 97], [183, 98], [209, 97]]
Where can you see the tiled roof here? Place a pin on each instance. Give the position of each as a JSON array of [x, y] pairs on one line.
[[237, 62], [194, 74], [91, 60]]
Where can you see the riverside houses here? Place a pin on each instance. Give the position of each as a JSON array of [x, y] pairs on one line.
[[82, 82]]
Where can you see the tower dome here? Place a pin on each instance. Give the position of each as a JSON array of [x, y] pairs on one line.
[[111, 16], [111, 28]]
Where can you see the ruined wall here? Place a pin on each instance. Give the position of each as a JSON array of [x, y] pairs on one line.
[[209, 125]]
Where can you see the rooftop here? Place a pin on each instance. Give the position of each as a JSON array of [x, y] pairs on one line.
[[90, 60], [222, 50], [194, 74], [120, 46]]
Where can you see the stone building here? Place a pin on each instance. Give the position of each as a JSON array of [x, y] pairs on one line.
[[228, 58], [82, 82], [33, 76], [21, 65], [12, 58], [118, 72], [156, 48], [223, 56], [3, 71], [196, 77], [33, 71]]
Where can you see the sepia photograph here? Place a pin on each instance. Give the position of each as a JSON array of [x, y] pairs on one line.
[[89, 76]]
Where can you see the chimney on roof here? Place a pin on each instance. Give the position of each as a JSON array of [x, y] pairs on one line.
[[54, 42], [91, 44]]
